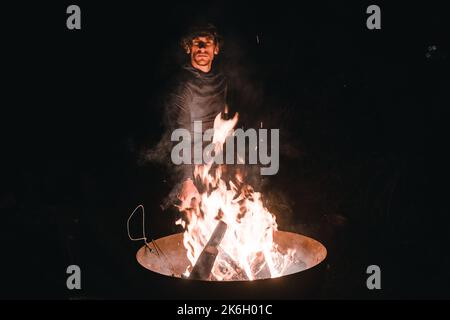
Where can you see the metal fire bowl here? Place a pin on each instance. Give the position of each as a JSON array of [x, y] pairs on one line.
[[300, 280]]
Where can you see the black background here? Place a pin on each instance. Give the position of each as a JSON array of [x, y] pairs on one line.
[[359, 111]]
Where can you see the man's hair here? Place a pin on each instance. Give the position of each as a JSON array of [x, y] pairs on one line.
[[206, 30]]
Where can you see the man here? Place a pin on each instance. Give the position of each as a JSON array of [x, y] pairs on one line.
[[199, 95]]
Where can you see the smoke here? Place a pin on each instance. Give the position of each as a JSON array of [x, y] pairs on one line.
[[160, 153]]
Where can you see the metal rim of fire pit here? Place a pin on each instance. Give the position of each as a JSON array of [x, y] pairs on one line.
[[167, 255]]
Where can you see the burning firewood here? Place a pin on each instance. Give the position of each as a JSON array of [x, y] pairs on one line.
[[238, 272], [205, 262], [260, 268]]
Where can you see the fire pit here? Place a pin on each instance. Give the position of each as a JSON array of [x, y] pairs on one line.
[[230, 236], [168, 256]]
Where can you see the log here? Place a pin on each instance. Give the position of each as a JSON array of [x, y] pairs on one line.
[[205, 262], [239, 273], [260, 268]]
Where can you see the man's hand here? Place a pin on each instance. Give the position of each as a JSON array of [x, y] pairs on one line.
[[189, 195]]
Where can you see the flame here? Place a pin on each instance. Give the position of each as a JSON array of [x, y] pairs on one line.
[[247, 250]]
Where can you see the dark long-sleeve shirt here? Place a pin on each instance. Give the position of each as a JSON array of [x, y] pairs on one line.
[[195, 96]]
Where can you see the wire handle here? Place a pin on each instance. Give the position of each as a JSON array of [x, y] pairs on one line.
[[143, 224], [157, 249]]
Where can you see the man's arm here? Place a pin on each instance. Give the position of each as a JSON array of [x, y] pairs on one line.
[[177, 109], [178, 115]]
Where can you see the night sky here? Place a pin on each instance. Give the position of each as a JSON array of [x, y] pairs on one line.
[[362, 133]]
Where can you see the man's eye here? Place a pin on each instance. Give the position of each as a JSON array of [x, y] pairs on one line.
[[208, 43]]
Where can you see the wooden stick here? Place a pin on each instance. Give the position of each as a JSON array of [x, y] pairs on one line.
[[205, 262]]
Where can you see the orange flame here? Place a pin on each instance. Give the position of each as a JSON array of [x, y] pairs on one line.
[[247, 251]]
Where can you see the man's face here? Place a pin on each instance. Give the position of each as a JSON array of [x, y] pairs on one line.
[[202, 52]]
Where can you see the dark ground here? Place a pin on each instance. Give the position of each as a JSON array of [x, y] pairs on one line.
[[359, 113]]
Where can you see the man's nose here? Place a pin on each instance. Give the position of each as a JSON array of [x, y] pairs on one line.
[[201, 45]]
